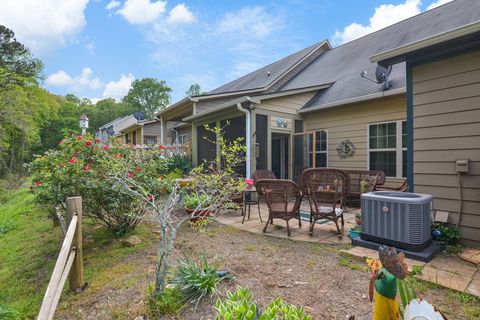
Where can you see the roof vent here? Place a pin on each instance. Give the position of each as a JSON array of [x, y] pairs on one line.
[[268, 73], [381, 76]]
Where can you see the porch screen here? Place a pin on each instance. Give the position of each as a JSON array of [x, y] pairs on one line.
[[261, 139], [232, 129], [206, 149]]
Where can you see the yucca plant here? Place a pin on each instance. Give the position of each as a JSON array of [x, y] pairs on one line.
[[197, 280], [407, 294]]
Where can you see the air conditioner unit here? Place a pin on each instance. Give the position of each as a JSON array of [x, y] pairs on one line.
[[398, 219]]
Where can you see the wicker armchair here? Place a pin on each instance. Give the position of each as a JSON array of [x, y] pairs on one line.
[[260, 175], [326, 189], [283, 200]]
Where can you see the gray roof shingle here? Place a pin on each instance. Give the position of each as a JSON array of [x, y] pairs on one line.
[[260, 79]]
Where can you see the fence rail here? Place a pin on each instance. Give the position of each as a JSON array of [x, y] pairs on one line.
[[69, 261]]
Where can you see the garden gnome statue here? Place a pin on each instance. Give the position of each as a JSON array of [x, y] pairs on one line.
[[384, 281]]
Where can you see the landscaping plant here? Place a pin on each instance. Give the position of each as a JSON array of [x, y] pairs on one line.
[[214, 184], [239, 305], [448, 235], [197, 281], [82, 166]]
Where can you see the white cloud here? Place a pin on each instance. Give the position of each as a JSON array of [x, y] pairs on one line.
[[385, 15], [255, 21], [112, 4], [76, 83], [438, 3], [59, 79], [43, 25], [180, 14], [142, 11], [118, 89]]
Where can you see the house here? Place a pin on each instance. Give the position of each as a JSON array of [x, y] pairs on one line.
[[417, 116], [132, 131], [443, 110], [113, 128]]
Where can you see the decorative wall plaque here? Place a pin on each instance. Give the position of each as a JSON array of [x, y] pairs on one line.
[[281, 123], [346, 149]]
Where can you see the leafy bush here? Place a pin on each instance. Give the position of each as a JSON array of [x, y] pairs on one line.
[[82, 166], [239, 305], [194, 201], [181, 162], [197, 280], [169, 302], [448, 235]]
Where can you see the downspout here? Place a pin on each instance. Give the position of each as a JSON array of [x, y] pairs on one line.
[[176, 136], [161, 131], [247, 137]]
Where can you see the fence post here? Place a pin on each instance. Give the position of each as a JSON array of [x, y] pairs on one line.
[[74, 206]]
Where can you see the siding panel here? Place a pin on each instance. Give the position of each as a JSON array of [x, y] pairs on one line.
[[446, 108], [351, 122], [287, 104]]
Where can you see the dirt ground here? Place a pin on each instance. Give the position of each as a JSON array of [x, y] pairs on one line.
[[328, 284]]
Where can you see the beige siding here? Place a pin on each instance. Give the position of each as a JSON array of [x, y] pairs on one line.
[[446, 99], [208, 104], [287, 104], [351, 122], [152, 129]]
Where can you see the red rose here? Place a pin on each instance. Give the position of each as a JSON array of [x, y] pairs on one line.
[[117, 156], [97, 140], [72, 160], [106, 147], [130, 175], [88, 143], [150, 197], [137, 169], [38, 183], [162, 147], [80, 138], [60, 142], [86, 167]]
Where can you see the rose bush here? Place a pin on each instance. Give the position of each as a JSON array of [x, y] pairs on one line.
[[82, 166]]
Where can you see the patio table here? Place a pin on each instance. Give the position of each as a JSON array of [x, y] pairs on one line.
[[247, 201]]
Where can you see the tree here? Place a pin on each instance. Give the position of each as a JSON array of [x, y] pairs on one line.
[[194, 90], [17, 65], [149, 96]]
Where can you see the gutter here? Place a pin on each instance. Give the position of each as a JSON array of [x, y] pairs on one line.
[[427, 42], [221, 107], [354, 100]]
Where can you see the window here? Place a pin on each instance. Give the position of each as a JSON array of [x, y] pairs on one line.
[[134, 138], [183, 138], [387, 144], [321, 152], [150, 140]]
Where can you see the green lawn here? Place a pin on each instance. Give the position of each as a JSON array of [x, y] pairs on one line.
[[29, 246]]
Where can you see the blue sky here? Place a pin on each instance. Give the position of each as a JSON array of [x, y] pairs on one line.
[[96, 48]]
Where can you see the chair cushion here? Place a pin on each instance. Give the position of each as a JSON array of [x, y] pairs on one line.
[[328, 210]]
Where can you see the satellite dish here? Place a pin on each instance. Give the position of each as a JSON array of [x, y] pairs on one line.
[[139, 116], [382, 73], [110, 131]]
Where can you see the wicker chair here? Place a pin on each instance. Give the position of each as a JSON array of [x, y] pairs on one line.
[[326, 189], [283, 200], [260, 175]]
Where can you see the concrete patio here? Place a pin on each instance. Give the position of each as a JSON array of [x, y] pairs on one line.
[[445, 270]]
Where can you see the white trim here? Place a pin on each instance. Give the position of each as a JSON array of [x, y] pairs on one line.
[[356, 99], [292, 92], [427, 42], [398, 146]]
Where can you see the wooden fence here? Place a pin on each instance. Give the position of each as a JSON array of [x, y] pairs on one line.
[[69, 261]]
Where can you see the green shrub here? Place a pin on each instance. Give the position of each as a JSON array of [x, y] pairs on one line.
[[239, 305], [449, 236], [82, 166], [194, 201], [170, 302], [197, 280], [181, 162]]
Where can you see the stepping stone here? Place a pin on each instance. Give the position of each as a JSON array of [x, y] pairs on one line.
[[474, 286], [471, 255]]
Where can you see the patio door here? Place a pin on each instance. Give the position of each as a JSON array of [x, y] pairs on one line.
[[310, 151], [280, 154]]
